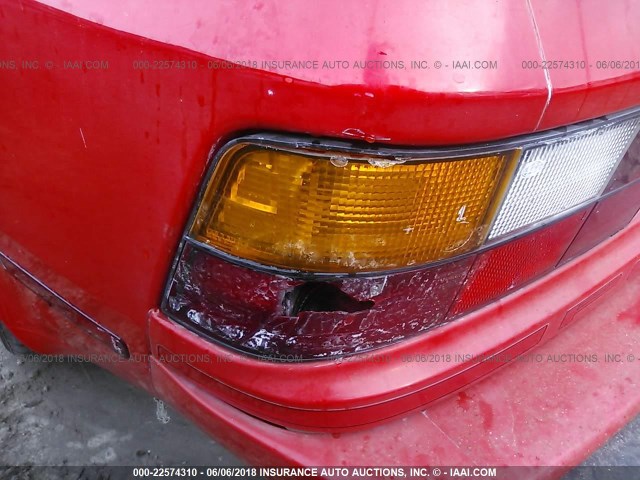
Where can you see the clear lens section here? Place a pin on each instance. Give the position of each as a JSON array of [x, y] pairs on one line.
[[563, 174]]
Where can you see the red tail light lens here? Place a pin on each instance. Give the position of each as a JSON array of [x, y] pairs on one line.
[[248, 309], [609, 216], [512, 265], [628, 170]]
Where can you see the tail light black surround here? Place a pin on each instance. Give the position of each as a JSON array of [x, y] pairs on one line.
[[309, 249]]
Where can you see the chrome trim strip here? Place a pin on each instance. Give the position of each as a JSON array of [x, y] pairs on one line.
[[77, 316]]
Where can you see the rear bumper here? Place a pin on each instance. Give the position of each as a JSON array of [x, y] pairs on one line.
[[542, 409]]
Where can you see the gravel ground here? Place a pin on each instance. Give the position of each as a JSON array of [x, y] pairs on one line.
[[78, 414]]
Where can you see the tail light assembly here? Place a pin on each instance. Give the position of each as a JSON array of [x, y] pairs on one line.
[[310, 249]]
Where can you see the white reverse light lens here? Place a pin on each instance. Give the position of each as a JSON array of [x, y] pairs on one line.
[[558, 176]]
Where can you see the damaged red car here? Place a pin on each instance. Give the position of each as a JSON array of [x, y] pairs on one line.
[[338, 233]]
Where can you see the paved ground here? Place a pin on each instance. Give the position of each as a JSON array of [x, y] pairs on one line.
[[78, 414]]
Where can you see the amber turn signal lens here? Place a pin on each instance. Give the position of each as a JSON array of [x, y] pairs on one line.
[[299, 210]]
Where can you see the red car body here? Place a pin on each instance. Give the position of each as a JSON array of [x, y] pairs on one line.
[[100, 169]]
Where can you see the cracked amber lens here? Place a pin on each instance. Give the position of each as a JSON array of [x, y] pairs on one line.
[[306, 212]]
